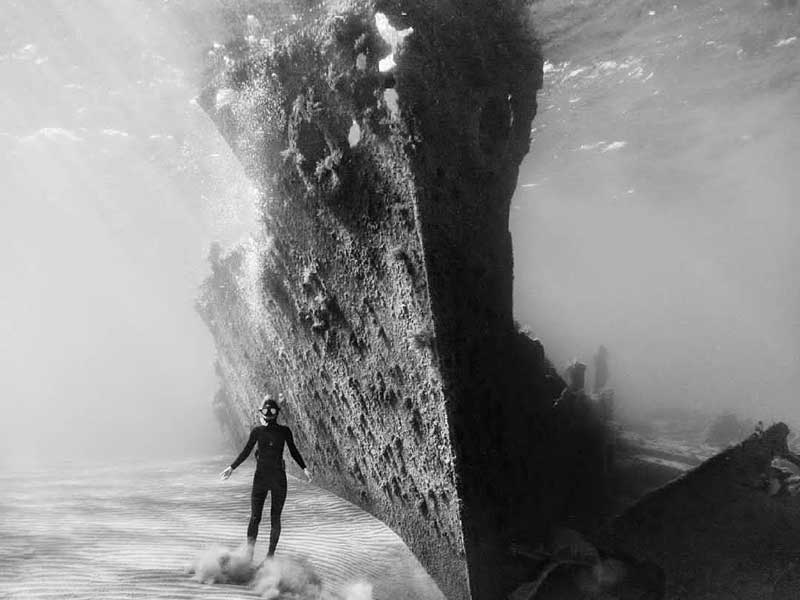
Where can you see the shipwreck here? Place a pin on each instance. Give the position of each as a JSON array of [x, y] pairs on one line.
[[385, 139], [727, 528]]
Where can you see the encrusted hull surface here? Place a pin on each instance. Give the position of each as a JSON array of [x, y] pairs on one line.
[[377, 298]]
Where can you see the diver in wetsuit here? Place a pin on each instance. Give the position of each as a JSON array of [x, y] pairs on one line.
[[270, 474]]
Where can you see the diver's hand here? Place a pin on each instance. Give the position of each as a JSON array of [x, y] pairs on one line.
[[226, 473], [307, 474]]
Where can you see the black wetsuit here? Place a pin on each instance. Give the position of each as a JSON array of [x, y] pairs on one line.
[[270, 476]]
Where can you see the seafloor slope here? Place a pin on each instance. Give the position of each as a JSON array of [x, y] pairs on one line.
[[129, 529], [378, 297]]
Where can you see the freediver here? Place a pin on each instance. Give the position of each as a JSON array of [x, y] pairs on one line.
[[270, 473]]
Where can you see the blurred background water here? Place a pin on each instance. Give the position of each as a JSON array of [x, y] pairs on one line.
[[657, 210]]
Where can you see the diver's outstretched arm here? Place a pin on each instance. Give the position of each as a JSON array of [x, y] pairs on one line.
[[251, 442], [296, 454]]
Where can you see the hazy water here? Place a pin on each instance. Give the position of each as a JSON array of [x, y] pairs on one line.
[[114, 185], [130, 530], [657, 210]]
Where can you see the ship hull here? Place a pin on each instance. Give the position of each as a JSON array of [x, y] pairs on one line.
[[378, 296]]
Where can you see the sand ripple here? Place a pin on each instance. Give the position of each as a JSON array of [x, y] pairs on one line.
[[134, 531]]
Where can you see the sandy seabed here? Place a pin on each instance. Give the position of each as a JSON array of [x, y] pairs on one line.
[[156, 530]]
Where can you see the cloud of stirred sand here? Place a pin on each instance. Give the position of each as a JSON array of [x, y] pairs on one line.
[[275, 578]]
